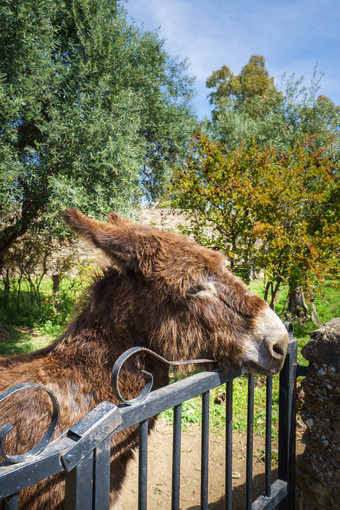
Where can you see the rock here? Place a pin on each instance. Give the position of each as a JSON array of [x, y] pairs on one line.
[[163, 218], [318, 471]]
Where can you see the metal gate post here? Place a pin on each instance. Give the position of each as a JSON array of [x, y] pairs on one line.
[[79, 485], [87, 462], [88, 484], [12, 502], [287, 425]]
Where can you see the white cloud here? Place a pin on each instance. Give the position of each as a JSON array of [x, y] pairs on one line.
[[292, 35]]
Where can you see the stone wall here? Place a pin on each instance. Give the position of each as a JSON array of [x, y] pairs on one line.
[[318, 470]]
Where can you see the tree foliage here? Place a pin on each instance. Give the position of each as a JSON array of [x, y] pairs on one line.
[[252, 83], [93, 112], [249, 105], [292, 125], [271, 211]]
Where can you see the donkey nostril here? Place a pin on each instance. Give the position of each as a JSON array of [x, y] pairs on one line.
[[279, 348]]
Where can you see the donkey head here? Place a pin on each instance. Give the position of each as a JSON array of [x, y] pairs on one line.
[[179, 299]]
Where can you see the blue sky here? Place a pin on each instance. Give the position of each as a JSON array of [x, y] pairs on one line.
[[292, 35]]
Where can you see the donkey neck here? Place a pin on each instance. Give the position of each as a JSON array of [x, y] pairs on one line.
[[110, 322], [87, 341], [104, 328]]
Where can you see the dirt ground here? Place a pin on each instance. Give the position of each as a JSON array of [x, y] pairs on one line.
[[159, 470]]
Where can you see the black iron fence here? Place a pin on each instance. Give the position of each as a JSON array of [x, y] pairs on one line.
[[84, 452]]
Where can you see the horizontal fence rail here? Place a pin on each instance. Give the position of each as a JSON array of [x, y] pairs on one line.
[[84, 452]]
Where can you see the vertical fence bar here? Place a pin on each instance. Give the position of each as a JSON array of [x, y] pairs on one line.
[[176, 457], [102, 476], [229, 446], [205, 450], [268, 454], [79, 485], [12, 502], [287, 425], [143, 465], [250, 438]]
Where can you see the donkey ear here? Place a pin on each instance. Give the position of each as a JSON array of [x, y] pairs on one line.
[[81, 224], [115, 239], [117, 220]]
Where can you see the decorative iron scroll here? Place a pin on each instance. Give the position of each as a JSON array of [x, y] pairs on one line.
[[38, 448], [149, 377]]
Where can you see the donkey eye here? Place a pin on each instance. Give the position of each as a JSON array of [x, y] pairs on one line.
[[196, 289]]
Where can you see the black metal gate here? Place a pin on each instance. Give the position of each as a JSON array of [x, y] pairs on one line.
[[84, 453]]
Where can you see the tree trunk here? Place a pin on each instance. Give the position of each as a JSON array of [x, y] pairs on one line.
[[274, 292], [10, 234], [315, 317], [56, 289], [297, 303], [269, 287], [31, 207]]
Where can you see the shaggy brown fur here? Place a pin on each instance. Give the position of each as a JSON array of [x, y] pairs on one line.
[[161, 291]]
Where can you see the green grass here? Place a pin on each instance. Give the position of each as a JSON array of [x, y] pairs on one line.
[[21, 341], [23, 308], [30, 327], [191, 409]]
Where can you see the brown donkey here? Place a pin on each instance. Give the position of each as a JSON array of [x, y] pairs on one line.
[[160, 291]]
